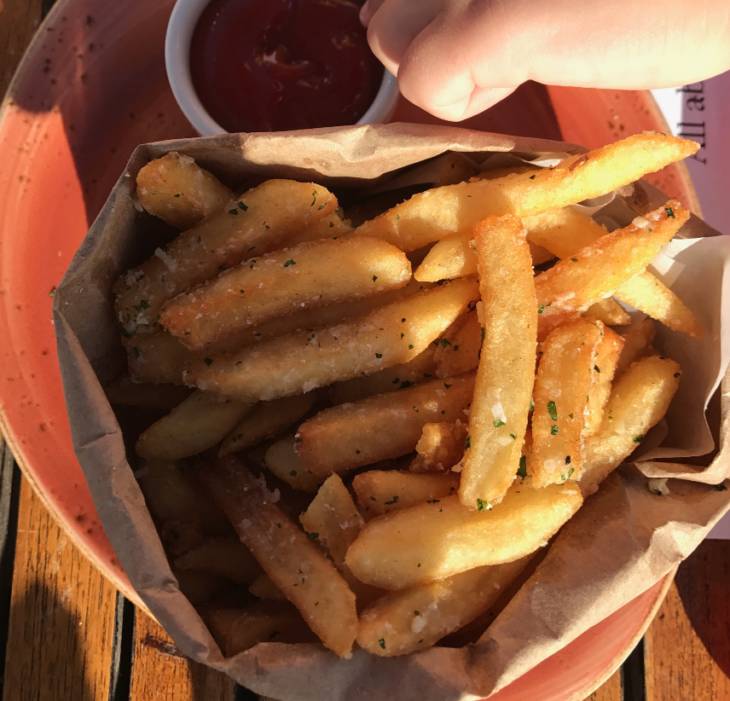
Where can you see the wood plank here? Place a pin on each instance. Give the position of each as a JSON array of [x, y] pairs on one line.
[[610, 690], [161, 672], [18, 21], [61, 631], [687, 647]]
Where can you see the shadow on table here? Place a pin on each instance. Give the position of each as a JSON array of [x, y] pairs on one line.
[[703, 583], [45, 650]]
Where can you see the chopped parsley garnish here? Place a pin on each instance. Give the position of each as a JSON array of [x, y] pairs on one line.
[[397, 216], [596, 368], [456, 348], [570, 472], [208, 361], [570, 415], [266, 225], [638, 439], [568, 459], [512, 436], [552, 410], [410, 346], [444, 342], [467, 445], [402, 335], [242, 207], [482, 505], [293, 473], [382, 643], [532, 177], [670, 212], [497, 423], [392, 501], [375, 277], [677, 374], [541, 309], [241, 291], [378, 355], [222, 266], [554, 430], [314, 198], [405, 384], [532, 404], [721, 487], [233, 211], [312, 536], [522, 469], [357, 452], [332, 225], [416, 613], [447, 386], [575, 260], [297, 439], [433, 501]]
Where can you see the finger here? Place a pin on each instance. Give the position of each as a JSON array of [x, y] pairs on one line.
[[368, 10], [394, 26]]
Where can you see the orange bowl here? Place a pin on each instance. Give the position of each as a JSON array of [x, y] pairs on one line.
[[91, 87]]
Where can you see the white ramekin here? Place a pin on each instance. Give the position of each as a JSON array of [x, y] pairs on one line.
[[180, 30]]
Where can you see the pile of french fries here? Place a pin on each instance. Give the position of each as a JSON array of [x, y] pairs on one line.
[[366, 434]]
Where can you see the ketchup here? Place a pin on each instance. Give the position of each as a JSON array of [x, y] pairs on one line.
[[269, 65]]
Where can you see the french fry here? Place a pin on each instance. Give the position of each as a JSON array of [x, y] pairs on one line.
[[609, 351], [565, 377], [498, 416], [199, 587], [380, 427], [637, 344], [609, 311], [440, 446], [331, 227], [383, 492], [285, 553], [312, 274], [401, 376], [236, 630], [458, 350], [388, 336], [199, 423], [264, 588], [125, 392], [433, 541], [597, 271], [266, 421], [257, 222], [223, 557], [172, 496], [639, 400], [565, 232], [283, 461], [158, 358], [178, 191], [435, 214], [417, 618]]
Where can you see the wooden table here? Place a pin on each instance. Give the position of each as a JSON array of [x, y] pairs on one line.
[[67, 635]]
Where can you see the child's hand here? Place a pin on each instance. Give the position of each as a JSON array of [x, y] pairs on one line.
[[456, 58]]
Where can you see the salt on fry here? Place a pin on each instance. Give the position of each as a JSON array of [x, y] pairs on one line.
[[311, 274], [498, 416], [387, 336]]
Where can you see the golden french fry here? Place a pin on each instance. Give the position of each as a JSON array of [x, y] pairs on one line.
[[199, 423], [458, 350], [609, 312], [416, 618], [598, 270], [400, 376], [261, 220], [380, 427], [312, 274], [266, 421], [158, 357], [283, 461], [639, 400], [236, 630], [178, 191], [223, 557], [331, 227], [285, 553], [440, 446], [432, 541], [609, 351], [385, 337], [382, 492], [498, 416], [565, 232], [435, 214], [564, 380], [171, 496], [125, 392], [637, 344], [454, 256], [264, 588]]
